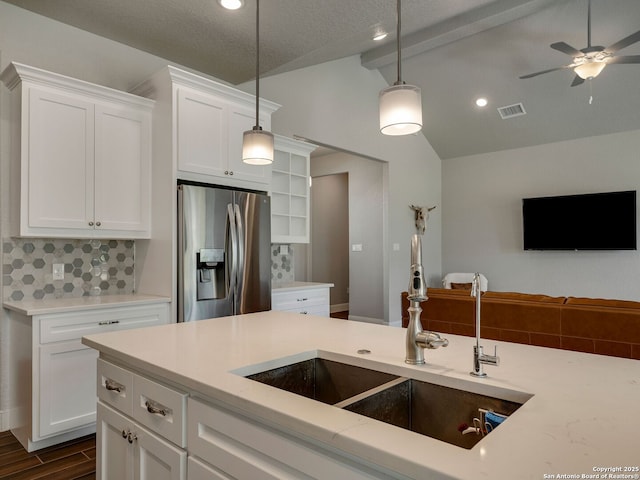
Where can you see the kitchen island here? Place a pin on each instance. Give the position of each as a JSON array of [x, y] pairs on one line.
[[579, 415]]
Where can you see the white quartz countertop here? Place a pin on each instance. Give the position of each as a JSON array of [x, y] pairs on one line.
[[285, 287], [61, 305], [583, 415]]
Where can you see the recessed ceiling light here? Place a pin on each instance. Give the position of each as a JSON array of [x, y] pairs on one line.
[[481, 102], [380, 36], [231, 4]]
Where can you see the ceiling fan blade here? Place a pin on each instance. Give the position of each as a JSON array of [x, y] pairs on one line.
[[577, 81], [625, 42], [566, 48], [625, 59], [544, 71]]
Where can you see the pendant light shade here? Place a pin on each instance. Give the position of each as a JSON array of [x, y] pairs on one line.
[[257, 144], [400, 104], [257, 147], [400, 110]]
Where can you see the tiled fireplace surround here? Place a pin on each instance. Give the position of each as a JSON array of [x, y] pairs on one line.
[[91, 267]]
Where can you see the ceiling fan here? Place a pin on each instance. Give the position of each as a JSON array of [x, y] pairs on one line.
[[588, 62]]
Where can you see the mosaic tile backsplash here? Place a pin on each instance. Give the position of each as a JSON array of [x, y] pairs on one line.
[[281, 265], [91, 267]]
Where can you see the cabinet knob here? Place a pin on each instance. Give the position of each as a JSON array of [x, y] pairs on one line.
[[226, 172], [131, 437], [98, 224], [91, 224], [231, 172], [124, 434]]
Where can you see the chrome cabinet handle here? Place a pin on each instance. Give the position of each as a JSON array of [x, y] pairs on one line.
[[302, 299], [113, 386], [304, 312], [151, 408], [109, 322]]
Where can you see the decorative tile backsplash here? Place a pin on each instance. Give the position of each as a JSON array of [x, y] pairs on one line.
[[91, 267], [281, 265]]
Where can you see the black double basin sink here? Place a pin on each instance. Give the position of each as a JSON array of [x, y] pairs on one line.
[[437, 411]]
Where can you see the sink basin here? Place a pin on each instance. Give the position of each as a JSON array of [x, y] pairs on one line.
[[323, 380], [430, 409], [423, 407]]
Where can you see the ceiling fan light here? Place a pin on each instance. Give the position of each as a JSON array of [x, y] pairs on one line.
[[589, 69], [257, 147], [400, 110]]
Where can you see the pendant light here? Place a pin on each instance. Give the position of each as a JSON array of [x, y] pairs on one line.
[[400, 104], [257, 144]]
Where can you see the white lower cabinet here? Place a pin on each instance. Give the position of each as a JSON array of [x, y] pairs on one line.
[[53, 375], [307, 301], [188, 437], [128, 451]]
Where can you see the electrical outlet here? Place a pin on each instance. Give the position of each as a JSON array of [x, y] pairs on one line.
[[58, 271]]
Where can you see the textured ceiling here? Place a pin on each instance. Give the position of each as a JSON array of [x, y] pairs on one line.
[[455, 50]]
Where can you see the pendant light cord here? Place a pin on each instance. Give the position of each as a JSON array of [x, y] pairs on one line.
[[398, 23], [257, 64]]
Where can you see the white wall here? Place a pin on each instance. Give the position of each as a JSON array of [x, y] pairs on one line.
[[482, 216], [336, 103]]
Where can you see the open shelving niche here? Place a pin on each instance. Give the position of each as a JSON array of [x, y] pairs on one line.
[[290, 198]]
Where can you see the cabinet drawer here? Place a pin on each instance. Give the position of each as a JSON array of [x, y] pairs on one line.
[[320, 310], [160, 408], [300, 298], [243, 448], [58, 327], [115, 386]]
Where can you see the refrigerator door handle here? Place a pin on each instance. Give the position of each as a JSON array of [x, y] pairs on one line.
[[234, 248], [240, 244]]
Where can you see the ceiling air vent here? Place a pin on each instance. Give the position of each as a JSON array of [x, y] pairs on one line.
[[511, 111]]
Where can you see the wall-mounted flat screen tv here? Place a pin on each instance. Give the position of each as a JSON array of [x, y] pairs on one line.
[[594, 221]]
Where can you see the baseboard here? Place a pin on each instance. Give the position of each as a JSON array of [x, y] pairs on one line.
[[5, 424], [378, 321], [339, 307]]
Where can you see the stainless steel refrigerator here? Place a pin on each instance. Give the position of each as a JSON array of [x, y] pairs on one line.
[[224, 257]]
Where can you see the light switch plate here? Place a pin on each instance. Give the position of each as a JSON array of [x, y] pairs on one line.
[[58, 271]]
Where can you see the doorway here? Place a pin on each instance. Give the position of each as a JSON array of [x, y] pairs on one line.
[[330, 236]]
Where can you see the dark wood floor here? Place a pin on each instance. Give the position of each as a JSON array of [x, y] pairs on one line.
[[73, 460]]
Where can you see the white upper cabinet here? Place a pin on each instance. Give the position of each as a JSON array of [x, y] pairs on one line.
[[81, 156], [207, 120], [290, 199]]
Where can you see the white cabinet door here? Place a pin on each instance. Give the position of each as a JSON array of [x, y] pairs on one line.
[[57, 178], [157, 459], [114, 460], [201, 133], [67, 380], [209, 132], [126, 451], [122, 169]]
